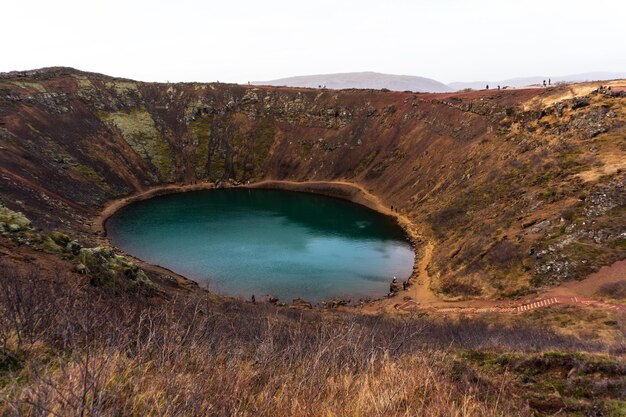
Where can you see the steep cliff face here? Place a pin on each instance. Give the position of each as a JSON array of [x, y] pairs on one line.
[[516, 188]]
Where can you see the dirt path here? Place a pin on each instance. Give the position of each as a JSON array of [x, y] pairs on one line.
[[590, 285], [569, 293], [419, 296], [519, 307], [420, 290]]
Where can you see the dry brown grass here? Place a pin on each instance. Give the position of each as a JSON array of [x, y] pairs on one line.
[[69, 349], [108, 383]]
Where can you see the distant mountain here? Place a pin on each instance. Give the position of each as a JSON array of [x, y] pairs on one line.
[[526, 81], [373, 80]]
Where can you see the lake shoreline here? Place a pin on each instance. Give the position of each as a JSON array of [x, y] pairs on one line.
[[337, 189]]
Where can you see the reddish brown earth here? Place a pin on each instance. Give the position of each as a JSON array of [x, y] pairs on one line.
[[505, 194]]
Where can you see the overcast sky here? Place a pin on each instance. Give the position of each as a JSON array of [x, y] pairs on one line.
[[239, 41]]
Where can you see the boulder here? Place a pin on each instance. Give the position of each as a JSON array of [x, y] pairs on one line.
[[336, 302], [578, 102], [74, 247], [300, 303]]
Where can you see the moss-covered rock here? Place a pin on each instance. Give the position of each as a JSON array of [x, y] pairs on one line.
[[12, 221], [107, 269], [60, 238]]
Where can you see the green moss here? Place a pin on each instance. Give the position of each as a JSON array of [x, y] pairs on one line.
[[122, 87], [50, 246], [83, 82], [115, 272], [201, 135], [30, 85], [33, 129], [85, 86], [579, 250], [616, 408], [218, 165], [620, 244], [563, 355], [263, 141], [305, 149], [60, 238], [89, 173], [475, 356], [139, 131], [9, 217]]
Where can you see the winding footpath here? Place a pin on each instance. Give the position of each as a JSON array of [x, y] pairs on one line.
[[422, 298], [518, 308]]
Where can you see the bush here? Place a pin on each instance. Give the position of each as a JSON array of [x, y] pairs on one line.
[[457, 286], [447, 219], [615, 290], [504, 254]]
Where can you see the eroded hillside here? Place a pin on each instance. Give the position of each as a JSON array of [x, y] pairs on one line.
[[515, 189]]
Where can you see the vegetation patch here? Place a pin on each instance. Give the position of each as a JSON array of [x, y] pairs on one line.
[[12, 221], [201, 136], [122, 87], [30, 85], [106, 269], [263, 141], [460, 286], [91, 174], [138, 129], [571, 383], [615, 290]]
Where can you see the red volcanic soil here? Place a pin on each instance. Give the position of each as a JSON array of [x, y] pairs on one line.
[[509, 192]]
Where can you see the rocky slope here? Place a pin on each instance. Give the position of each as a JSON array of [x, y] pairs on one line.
[[516, 189]]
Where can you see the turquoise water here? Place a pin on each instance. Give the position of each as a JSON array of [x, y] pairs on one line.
[[252, 241]]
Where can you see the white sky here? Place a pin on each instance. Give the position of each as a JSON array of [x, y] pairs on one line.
[[239, 41]]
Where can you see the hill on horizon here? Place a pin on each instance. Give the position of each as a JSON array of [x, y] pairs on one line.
[[367, 79], [377, 81]]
